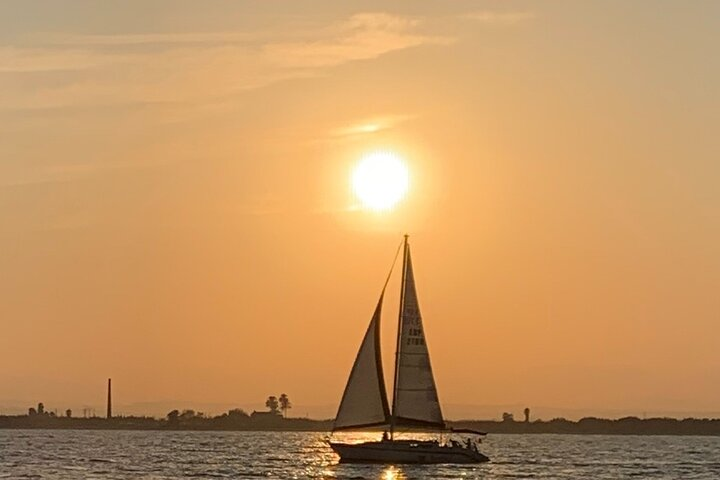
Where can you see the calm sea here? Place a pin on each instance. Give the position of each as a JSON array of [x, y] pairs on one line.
[[70, 454]]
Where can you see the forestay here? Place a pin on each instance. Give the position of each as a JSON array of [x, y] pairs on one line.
[[364, 402]]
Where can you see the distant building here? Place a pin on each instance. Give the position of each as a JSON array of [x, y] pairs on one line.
[[508, 417], [265, 415], [109, 399], [527, 415]]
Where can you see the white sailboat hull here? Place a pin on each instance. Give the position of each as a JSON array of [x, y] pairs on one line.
[[405, 451]]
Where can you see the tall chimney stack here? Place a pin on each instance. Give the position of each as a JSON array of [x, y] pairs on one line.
[[109, 402]]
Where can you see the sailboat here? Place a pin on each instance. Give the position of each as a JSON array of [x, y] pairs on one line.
[[415, 404]]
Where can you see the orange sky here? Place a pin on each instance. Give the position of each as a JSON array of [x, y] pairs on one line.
[[175, 209]]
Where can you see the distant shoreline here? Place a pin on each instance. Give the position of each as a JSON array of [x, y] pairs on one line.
[[585, 426]]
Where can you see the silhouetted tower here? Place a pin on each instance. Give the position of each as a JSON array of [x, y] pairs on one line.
[[527, 415], [109, 403]]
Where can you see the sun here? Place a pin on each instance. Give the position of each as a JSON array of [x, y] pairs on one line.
[[380, 180]]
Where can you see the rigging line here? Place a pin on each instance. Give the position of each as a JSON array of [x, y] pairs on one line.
[[397, 254]]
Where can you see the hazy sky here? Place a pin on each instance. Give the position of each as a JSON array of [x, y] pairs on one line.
[[175, 210]]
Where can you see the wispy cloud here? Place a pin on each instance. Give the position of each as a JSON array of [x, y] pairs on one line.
[[192, 67], [500, 18], [370, 125], [145, 38], [64, 172], [361, 37], [176, 76], [29, 60]]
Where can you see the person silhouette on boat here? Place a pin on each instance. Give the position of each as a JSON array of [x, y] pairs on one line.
[[385, 437]]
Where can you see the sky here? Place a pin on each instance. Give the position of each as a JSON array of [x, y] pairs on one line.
[[176, 210]]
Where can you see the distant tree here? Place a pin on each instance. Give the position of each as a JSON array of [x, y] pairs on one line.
[[41, 409], [68, 413], [508, 417], [32, 412], [187, 414], [237, 413], [527, 415], [173, 417], [234, 417], [285, 404], [272, 404]]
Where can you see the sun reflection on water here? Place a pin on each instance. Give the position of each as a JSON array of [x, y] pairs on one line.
[[392, 473]]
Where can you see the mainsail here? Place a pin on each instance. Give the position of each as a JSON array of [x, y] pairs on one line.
[[415, 398], [364, 403]]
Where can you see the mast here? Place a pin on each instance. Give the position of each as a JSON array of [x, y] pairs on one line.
[[398, 343]]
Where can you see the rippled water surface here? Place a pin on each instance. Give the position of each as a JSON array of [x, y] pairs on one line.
[[72, 454]]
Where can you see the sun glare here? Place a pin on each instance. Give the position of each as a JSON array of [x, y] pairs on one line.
[[380, 180]]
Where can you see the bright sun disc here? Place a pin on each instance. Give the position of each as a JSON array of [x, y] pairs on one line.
[[380, 180]]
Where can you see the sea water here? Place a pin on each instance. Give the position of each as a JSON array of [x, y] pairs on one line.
[[76, 454]]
